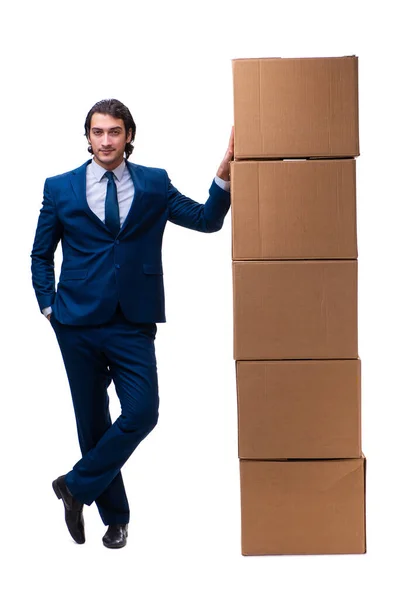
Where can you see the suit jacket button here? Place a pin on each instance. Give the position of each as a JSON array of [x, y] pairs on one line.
[[117, 266]]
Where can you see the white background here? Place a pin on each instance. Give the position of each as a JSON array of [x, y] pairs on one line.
[[170, 63]]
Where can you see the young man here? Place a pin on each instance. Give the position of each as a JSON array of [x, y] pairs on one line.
[[110, 216]]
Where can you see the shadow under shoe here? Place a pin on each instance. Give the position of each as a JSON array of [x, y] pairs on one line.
[[73, 510]]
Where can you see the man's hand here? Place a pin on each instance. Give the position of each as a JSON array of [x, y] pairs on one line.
[[48, 317], [224, 168]]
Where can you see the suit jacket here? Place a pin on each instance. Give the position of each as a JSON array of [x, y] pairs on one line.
[[98, 270]]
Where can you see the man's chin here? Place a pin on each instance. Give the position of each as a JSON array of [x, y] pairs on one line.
[[106, 156], [107, 159]]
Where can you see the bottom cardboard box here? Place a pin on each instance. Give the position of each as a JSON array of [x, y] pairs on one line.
[[303, 506]]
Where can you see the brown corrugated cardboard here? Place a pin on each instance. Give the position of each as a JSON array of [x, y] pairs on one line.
[[296, 107], [303, 507], [295, 309], [294, 209], [299, 409]]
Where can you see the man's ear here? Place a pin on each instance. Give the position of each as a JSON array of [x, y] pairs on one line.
[[129, 136]]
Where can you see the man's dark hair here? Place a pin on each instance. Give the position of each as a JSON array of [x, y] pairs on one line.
[[115, 109]]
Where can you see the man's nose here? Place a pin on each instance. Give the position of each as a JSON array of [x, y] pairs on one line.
[[106, 139]]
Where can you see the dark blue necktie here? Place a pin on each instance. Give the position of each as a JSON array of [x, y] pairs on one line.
[[111, 205]]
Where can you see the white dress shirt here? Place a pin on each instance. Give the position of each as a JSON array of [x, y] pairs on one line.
[[96, 190]]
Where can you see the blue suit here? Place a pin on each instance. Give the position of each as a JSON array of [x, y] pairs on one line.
[[99, 271], [109, 297]]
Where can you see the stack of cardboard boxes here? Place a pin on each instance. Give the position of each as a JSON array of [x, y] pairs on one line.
[[294, 251]]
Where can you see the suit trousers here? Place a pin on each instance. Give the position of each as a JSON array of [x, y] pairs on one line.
[[94, 356]]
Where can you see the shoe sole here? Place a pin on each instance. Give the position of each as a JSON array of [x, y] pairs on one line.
[[115, 547]]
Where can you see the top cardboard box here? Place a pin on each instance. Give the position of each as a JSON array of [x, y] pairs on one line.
[[296, 107]]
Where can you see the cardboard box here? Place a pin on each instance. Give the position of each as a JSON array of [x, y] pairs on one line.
[[303, 507], [294, 209], [295, 107], [295, 309], [299, 409]]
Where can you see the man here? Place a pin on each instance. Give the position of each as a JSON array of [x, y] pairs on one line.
[[110, 216]]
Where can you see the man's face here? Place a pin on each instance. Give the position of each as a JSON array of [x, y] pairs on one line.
[[108, 138]]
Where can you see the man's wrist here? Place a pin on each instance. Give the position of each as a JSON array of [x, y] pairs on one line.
[[222, 183], [224, 173]]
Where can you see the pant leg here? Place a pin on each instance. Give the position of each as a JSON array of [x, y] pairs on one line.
[[89, 377], [130, 353]]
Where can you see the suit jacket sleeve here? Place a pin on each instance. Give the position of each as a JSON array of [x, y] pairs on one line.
[[48, 234], [207, 218]]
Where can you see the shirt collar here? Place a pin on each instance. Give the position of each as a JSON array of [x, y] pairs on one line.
[[98, 171]]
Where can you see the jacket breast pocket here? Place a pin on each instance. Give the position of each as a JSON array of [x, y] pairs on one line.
[[152, 269], [69, 274]]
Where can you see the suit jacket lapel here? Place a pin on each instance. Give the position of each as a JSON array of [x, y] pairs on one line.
[[139, 183], [78, 182]]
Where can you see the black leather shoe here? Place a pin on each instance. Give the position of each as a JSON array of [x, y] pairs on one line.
[[115, 536], [73, 510]]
